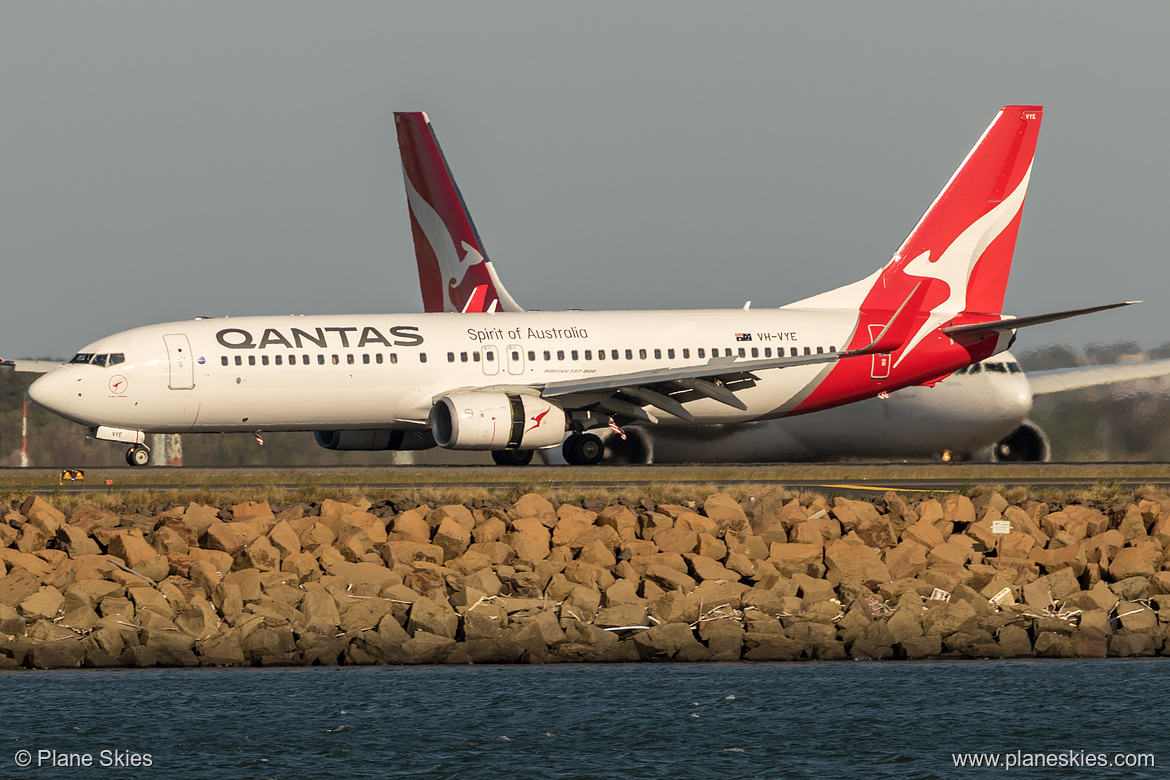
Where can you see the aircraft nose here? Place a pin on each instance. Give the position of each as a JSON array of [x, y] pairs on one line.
[[52, 390]]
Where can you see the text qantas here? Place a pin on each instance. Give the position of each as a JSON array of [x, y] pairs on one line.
[[343, 337]]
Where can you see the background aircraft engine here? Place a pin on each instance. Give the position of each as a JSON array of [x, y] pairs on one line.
[[1026, 443], [375, 439], [496, 421]]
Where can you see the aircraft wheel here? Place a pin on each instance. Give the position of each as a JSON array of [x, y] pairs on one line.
[[583, 449], [512, 457], [138, 456]]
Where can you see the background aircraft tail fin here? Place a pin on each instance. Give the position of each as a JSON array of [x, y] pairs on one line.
[[454, 271]]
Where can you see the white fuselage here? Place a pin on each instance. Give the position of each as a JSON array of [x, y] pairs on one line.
[[362, 371], [966, 412]]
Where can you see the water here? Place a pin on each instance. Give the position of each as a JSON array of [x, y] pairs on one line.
[[877, 720]]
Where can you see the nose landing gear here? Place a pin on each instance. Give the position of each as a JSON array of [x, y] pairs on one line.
[[138, 455]]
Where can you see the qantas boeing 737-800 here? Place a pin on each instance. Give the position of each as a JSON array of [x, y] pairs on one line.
[[515, 382], [979, 412]]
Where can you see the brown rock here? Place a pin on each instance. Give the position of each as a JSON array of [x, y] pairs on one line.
[[850, 562], [1134, 562], [220, 536], [453, 536], [532, 505], [43, 515], [668, 578], [677, 540], [924, 533], [908, 559], [131, 549], [412, 526], [76, 542], [725, 511], [406, 553], [622, 520], [284, 539], [45, 604]]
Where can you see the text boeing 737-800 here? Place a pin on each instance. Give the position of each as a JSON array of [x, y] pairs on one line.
[[515, 382]]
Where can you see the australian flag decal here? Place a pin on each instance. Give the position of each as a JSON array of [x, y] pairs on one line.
[[743, 337]]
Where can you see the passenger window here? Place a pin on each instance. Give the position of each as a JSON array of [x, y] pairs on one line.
[[251, 360], [686, 353], [658, 354], [239, 360], [474, 357], [629, 354], [279, 360], [531, 356], [613, 353], [422, 357], [588, 354], [820, 350], [728, 352], [547, 355], [755, 351], [320, 360], [767, 352], [305, 360], [488, 355], [366, 358], [573, 354], [701, 352], [336, 360], [808, 350], [394, 357], [642, 354], [601, 354], [515, 355], [378, 358], [560, 354], [741, 352], [263, 360], [450, 357], [223, 360], [463, 357], [792, 352]]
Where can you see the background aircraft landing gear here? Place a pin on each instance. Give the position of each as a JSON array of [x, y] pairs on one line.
[[138, 455], [512, 457], [583, 449]]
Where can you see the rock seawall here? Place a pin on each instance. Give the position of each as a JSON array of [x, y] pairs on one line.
[[777, 577]]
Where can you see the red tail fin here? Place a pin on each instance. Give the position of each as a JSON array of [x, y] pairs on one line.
[[452, 263]]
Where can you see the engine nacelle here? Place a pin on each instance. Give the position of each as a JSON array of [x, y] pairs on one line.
[[496, 421], [375, 439], [1027, 443]]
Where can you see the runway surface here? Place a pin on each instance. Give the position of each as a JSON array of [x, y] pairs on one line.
[[833, 477]]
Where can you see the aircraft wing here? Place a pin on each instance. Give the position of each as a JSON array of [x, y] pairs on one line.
[[29, 366], [1060, 379]]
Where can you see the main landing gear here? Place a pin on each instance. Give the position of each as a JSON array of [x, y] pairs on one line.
[[583, 449], [138, 455], [512, 457]]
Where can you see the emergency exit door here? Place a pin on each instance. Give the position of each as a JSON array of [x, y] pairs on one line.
[[182, 368]]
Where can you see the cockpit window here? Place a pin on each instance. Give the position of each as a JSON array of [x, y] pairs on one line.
[[998, 368], [975, 368], [1014, 368], [110, 359], [962, 370]]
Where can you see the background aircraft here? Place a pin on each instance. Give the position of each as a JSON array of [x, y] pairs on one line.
[[977, 413]]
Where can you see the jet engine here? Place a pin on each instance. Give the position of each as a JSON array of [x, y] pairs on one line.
[[1027, 443], [496, 421], [375, 439]]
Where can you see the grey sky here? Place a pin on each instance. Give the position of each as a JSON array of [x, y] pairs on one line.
[[167, 160]]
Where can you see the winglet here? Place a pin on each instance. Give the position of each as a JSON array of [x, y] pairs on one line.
[[897, 330]]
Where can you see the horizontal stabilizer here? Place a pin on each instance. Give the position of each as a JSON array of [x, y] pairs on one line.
[[1011, 323]]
